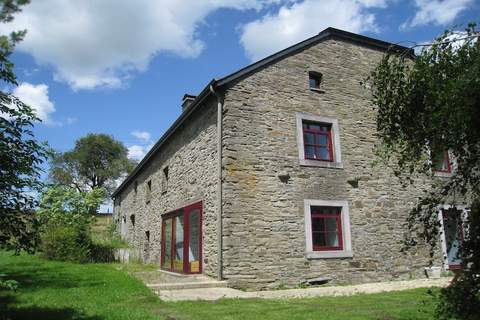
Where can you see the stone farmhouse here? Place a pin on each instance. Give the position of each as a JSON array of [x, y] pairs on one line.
[[266, 178]]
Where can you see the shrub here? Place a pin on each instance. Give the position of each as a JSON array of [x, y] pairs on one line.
[[65, 243], [66, 217]]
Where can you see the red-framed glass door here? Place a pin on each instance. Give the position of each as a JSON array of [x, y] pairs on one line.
[[182, 240], [454, 236]]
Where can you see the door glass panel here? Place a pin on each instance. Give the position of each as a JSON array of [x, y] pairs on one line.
[[167, 258], [452, 226], [194, 241], [178, 258]]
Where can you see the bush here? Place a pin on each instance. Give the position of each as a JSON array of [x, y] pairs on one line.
[[461, 300], [65, 243]]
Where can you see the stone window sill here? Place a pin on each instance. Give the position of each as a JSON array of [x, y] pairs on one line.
[[317, 90], [329, 254], [443, 174], [322, 164]]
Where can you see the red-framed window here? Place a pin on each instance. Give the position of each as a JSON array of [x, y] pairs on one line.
[[326, 228], [441, 162], [317, 141]]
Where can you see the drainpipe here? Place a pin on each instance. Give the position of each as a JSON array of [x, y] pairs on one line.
[[219, 183]]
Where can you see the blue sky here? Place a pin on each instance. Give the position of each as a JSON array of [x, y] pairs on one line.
[[121, 67]]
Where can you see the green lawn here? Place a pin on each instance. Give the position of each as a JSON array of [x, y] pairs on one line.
[[56, 290]]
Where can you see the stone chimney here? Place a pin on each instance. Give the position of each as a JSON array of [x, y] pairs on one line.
[[187, 100]]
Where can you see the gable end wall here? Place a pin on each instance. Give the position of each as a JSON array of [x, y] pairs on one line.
[[263, 217]]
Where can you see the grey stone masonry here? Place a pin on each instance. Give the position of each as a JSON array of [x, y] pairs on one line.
[[263, 215], [191, 158], [269, 188]]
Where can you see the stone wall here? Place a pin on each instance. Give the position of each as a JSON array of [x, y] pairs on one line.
[[191, 157], [264, 232]]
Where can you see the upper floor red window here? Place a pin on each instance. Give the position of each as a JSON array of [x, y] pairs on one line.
[[317, 138], [327, 228], [441, 162]]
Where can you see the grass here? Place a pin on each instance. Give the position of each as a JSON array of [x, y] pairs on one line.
[[60, 291], [102, 234]]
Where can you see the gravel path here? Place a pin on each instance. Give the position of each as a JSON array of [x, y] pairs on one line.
[[218, 293]]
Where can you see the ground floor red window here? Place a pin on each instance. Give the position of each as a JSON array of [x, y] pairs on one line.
[[326, 228], [182, 240]]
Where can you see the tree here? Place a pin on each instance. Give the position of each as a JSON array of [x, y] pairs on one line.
[[66, 217], [21, 155], [96, 162], [428, 104]]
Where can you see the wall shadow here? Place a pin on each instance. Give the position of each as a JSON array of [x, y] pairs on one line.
[[8, 311]]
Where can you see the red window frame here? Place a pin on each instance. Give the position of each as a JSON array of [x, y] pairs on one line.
[[186, 219], [327, 131], [318, 213], [446, 159]]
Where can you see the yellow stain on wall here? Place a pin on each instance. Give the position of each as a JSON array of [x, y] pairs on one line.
[[244, 173]]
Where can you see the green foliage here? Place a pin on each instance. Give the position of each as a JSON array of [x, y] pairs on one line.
[[21, 155], [96, 162], [427, 104], [61, 205], [8, 284], [65, 243], [66, 217], [461, 300]]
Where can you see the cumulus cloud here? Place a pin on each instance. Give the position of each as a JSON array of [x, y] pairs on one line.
[[439, 12], [137, 152], [298, 21], [141, 135], [93, 43], [36, 96]]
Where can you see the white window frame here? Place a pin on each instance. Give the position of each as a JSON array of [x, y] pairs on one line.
[[347, 241], [443, 239], [337, 154]]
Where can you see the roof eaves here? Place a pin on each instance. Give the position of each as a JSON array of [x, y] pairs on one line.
[[180, 120]]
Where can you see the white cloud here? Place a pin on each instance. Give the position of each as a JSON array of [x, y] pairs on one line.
[[439, 12], [137, 152], [36, 96], [93, 43], [298, 21], [141, 135]]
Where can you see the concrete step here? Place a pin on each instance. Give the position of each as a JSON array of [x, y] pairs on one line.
[[187, 285]]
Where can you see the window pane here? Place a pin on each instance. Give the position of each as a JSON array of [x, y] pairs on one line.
[[323, 153], [314, 83], [194, 241], [318, 239], [321, 139], [332, 239], [309, 138], [309, 152], [178, 258], [441, 161], [318, 224], [313, 126], [331, 224]]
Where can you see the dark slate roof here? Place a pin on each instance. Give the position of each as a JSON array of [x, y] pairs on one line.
[[248, 70]]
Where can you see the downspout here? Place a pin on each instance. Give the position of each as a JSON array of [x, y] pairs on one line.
[[219, 182]]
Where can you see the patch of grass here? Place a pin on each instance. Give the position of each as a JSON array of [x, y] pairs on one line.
[[60, 290], [103, 233]]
